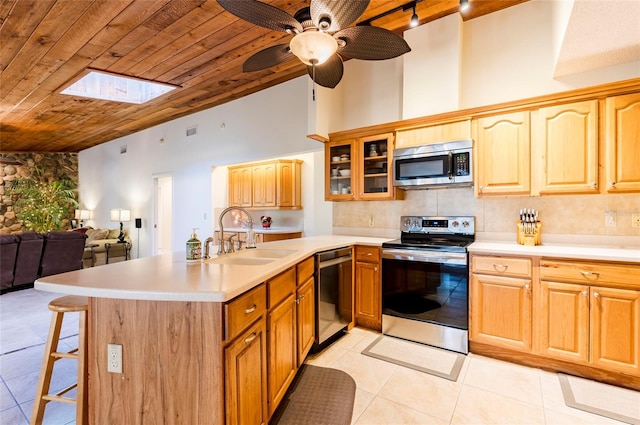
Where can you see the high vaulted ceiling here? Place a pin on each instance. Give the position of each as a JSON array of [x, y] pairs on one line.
[[194, 44]]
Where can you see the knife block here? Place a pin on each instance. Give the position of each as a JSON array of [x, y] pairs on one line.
[[531, 239]]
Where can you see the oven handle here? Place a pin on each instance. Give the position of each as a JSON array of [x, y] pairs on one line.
[[425, 256]]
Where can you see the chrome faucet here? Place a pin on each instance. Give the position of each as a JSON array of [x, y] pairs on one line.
[[221, 245], [207, 241]]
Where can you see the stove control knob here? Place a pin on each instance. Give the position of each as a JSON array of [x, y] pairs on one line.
[[416, 223], [455, 224], [406, 222], [465, 224]]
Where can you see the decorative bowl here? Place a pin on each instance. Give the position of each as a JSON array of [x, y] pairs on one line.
[[335, 159], [345, 172]]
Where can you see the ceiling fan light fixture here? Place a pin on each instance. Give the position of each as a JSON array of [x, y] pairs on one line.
[[313, 47]]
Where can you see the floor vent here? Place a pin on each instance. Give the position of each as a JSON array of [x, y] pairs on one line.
[[192, 131]]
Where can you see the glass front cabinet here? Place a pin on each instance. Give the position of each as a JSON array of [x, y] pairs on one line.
[[360, 169]]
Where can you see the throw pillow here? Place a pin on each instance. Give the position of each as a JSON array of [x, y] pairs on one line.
[[96, 234], [113, 234]]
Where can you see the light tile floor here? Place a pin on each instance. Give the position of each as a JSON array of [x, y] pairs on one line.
[[487, 391]]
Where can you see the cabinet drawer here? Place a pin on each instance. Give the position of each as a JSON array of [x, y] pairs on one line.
[[627, 276], [305, 270], [242, 311], [501, 266], [368, 254], [281, 286]]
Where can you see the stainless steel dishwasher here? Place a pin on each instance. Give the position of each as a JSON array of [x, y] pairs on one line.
[[333, 295]]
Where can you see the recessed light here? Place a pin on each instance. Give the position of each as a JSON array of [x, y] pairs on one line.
[[107, 86]]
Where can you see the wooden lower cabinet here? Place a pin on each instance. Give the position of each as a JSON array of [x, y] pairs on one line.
[[368, 287], [306, 318], [246, 377], [563, 321], [615, 329], [501, 309]]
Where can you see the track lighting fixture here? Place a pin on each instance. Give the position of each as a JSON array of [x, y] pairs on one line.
[[414, 18], [464, 5]]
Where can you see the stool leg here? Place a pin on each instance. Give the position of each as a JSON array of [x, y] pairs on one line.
[[47, 368], [82, 411]]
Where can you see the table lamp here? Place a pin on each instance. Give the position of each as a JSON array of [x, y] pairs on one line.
[[120, 215]]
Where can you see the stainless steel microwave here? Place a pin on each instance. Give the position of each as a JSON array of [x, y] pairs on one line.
[[449, 163]]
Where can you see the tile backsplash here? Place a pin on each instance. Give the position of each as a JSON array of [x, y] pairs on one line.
[[578, 217]]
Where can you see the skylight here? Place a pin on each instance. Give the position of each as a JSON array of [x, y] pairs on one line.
[[106, 86]]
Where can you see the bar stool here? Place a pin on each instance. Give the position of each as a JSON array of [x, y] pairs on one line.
[[60, 306]]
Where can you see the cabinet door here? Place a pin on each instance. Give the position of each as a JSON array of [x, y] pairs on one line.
[[502, 154], [246, 377], [240, 191], [264, 185], [340, 160], [501, 311], [615, 329], [375, 174], [623, 143], [563, 321], [282, 350], [288, 185], [438, 133], [306, 314], [566, 148], [368, 291]]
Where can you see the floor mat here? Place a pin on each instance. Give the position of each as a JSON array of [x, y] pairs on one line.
[[601, 399], [318, 395], [435, 361]]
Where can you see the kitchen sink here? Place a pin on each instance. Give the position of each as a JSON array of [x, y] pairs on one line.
[[264, 253], [241, 260]]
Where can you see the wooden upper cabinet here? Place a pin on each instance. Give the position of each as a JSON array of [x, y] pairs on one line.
[[565, 149], [436, 133], [240, 186], [264, 185], [269, 184], [622, 135], [502, 154]]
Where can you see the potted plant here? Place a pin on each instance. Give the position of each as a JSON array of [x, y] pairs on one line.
[[43, 204], [266, 221]]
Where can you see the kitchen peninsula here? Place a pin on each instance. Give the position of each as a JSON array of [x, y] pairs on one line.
[[194, 336]]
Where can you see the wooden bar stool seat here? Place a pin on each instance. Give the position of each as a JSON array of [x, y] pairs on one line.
[[60, 306]]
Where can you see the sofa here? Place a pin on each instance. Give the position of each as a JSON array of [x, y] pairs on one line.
[[27, 256], [103, 246]]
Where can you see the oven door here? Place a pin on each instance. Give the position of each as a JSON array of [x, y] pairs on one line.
[[425, 297]]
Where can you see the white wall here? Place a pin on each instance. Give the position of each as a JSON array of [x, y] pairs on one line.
[[247, 129]]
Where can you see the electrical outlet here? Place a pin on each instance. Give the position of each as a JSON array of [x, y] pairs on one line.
[[371, 221], [114, 358], [610, 218], [635, 220]]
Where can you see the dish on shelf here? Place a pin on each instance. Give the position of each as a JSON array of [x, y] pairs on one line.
[[335, 158], [375, 171], [345, 172]]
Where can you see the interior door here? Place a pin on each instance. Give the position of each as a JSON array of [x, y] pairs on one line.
[[163, 215]]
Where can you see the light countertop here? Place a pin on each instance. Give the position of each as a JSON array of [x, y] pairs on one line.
[[588, 252], [169, 277], [260, 229]]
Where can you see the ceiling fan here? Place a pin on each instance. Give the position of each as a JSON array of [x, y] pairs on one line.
[[321, 37]]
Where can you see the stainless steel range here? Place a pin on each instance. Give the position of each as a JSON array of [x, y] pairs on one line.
[[425, 281]]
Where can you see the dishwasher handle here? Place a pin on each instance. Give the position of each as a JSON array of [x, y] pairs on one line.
[[335, 261]]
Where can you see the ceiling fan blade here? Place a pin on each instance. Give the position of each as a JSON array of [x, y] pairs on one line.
[[329, 73], [371, 43], [261, 14], [267, 58], [340, 13]]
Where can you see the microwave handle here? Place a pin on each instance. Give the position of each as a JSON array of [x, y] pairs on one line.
[[450, 165]]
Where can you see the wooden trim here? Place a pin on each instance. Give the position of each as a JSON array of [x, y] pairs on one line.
[[318, 138], [588, 93], [554, 365]]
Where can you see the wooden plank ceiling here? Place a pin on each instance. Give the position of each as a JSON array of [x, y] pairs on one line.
[[194, 44]]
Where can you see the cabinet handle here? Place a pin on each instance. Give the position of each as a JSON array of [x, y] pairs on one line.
[[375, 269], [585, 293], [297, 301], [500, 267], [251, 338], [302, 296], [594, 185], [612, 184], [481, 188], [527, 288], [589, 274], [597, 295], [368, 254], [251, 309]]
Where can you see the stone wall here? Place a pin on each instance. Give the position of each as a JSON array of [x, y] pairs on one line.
[[56, 166]]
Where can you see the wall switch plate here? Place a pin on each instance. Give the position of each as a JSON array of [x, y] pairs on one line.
[[610, 218], [114, 358], [635, 220]]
